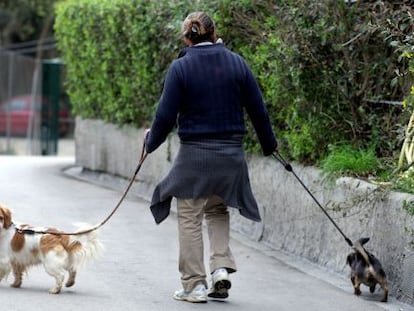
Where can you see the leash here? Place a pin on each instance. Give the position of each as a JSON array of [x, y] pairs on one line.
[[289, 168], [131, 181]]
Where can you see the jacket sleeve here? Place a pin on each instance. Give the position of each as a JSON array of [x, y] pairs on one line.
[[256, 109], [167, 111]]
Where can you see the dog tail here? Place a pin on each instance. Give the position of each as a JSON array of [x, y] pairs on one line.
[[358, 246], [84, 247]]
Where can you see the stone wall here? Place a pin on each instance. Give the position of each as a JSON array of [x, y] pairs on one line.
[[292, 222]]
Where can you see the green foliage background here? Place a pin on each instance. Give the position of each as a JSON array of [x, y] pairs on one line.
[[326, 69], [23, 20]]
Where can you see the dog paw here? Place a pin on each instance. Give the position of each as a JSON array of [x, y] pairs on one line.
[[54, 290], [357, 291], [70, 283], [16, 285], [71, 280]]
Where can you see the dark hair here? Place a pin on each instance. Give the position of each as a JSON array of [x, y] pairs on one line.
[[199, 27]]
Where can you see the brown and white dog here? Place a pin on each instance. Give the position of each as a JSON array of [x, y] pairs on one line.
[[58, 253]]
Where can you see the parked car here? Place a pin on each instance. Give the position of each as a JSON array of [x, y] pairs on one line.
[[19, 110]]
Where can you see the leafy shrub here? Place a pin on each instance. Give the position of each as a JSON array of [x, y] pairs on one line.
[[116, 53], [405, 181], [327, 70], [345, 160], [346, 67]]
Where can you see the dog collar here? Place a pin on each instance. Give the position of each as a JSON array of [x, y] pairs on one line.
[[23, 230]]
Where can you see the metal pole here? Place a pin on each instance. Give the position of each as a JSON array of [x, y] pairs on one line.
[[9, 96], [30, 137]]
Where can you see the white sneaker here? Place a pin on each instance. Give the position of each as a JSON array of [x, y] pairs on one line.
[[198, 294], [220, 284]]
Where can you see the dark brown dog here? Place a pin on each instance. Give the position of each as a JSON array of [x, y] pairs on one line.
[[366, 269]]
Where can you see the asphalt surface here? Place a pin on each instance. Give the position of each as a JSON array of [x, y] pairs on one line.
[[138, 269]]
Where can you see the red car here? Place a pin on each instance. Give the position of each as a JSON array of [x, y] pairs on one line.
[[17, 111]]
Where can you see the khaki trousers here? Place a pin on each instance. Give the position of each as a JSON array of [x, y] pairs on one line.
[[191, 251]]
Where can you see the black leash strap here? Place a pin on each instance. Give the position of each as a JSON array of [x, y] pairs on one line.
[[289, 168], [28, 230]]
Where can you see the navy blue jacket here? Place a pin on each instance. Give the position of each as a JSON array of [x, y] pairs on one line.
[[205, 93]]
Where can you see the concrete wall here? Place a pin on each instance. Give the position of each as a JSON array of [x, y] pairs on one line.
[[292, 222]]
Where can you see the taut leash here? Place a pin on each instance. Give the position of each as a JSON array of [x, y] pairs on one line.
[[131, 181], [289, 168]]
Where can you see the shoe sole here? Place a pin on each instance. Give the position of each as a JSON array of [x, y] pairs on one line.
[[191, 299], [221, 289]]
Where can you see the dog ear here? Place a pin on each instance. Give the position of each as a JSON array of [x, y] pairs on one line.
[[350, 259], [363, 241], [7, 217]]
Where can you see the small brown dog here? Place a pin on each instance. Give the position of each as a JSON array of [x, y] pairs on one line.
[[366, 269]]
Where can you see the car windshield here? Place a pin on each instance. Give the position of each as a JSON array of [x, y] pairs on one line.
[[17, 105], [20, 104]]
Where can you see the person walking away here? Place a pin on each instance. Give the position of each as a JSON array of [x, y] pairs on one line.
[[207, 90]]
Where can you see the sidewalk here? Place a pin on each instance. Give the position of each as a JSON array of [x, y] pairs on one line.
[[19, 146], [138, 270], [317, 273]]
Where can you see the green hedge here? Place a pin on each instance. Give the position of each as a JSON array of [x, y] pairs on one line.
[[321, 64], [328, 70], [117, 52]]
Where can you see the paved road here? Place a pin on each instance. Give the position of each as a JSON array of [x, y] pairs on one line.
[[138, 270], [21, 146]]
